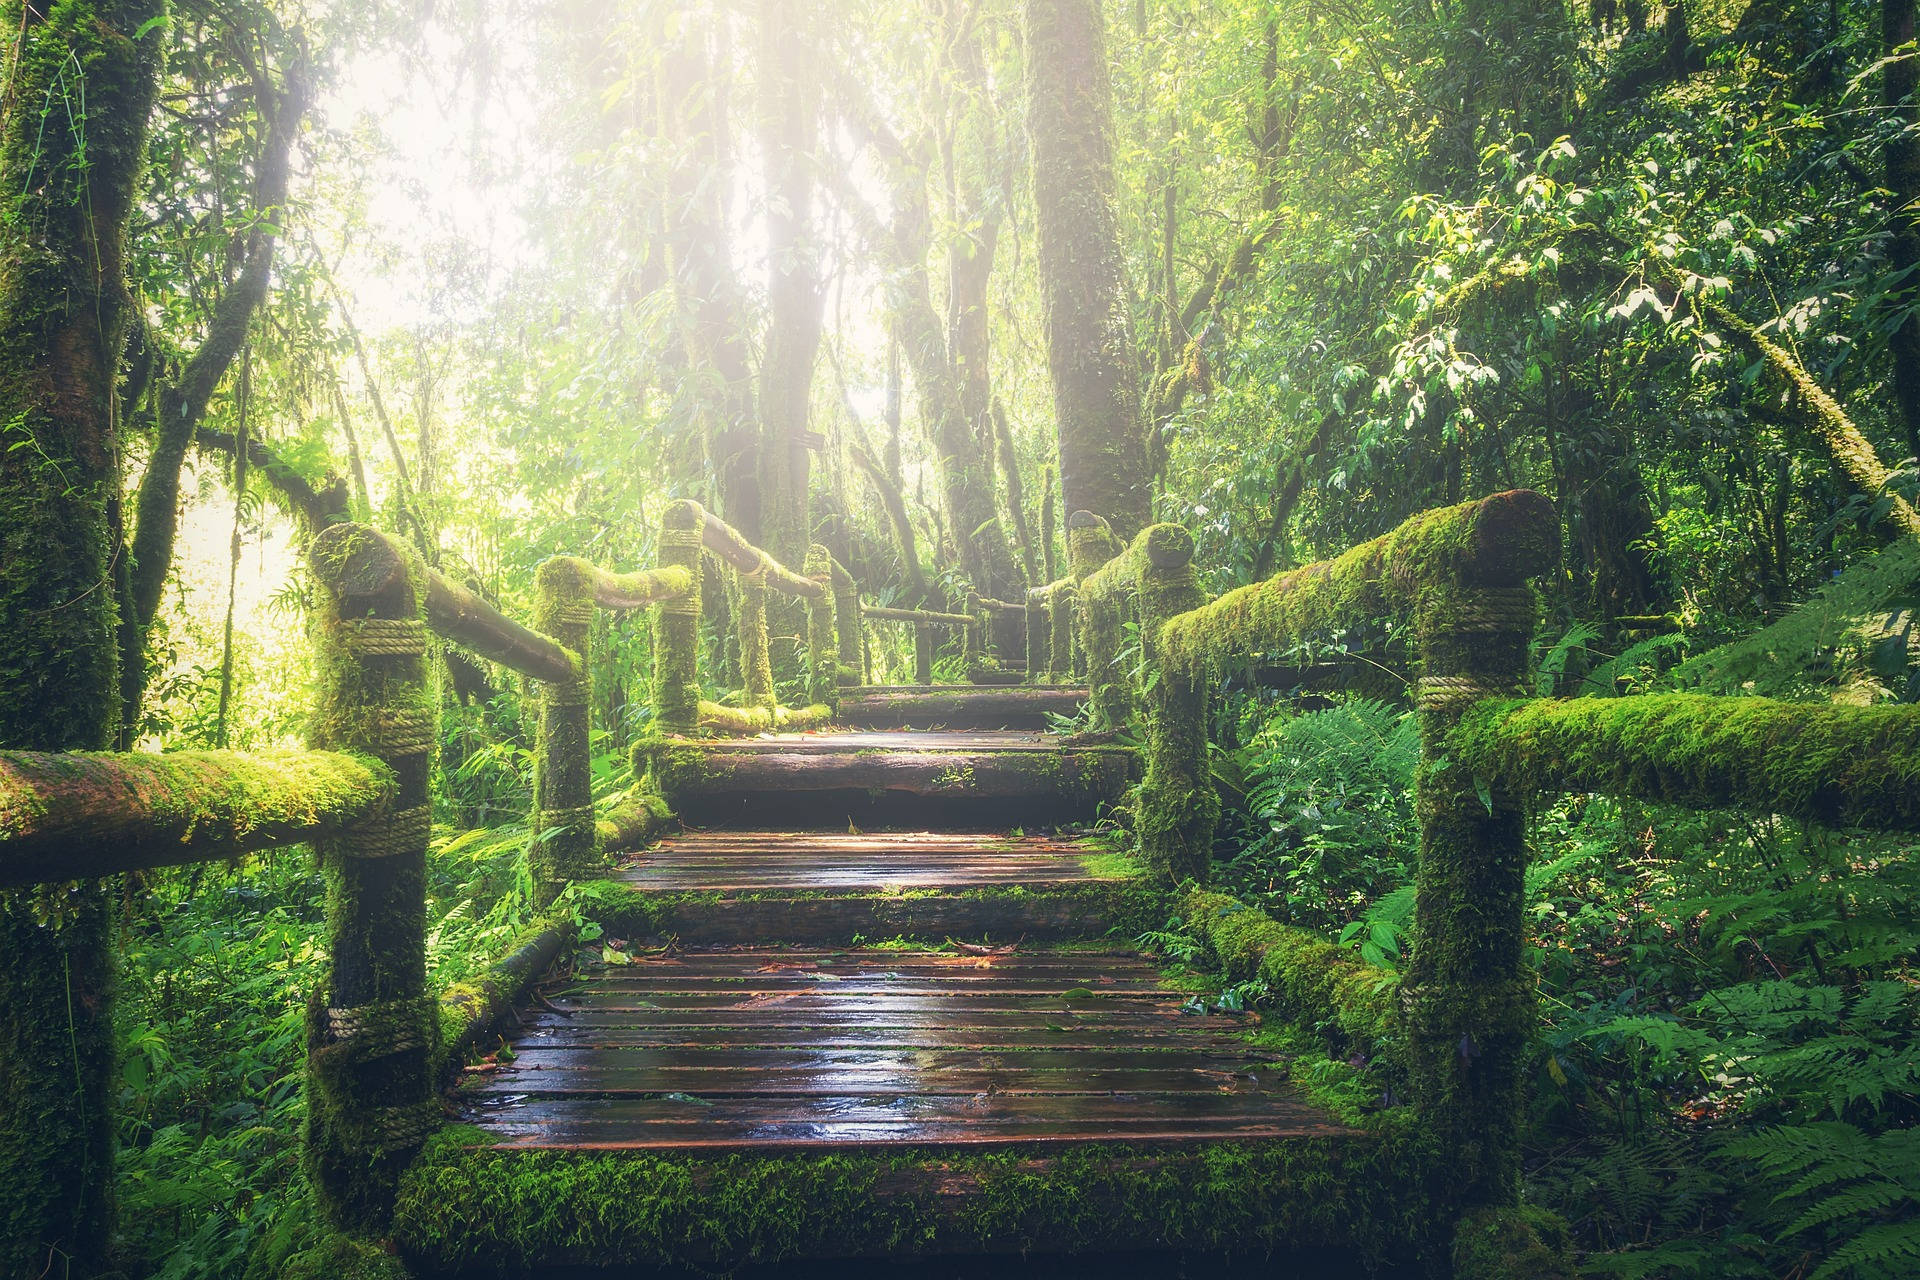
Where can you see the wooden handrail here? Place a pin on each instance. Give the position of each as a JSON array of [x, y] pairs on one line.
[[370, 562], [726, 542], [925, 616], [86, 814]]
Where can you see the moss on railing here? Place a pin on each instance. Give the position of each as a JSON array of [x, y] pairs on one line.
[[676, 633], [1321, 984], [72, 816], [1844, 766], [1414, 573]]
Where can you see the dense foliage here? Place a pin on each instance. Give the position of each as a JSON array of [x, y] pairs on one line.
[[506, 282]]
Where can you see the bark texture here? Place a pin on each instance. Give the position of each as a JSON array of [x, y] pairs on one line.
[[1083, 286], [68, 175]]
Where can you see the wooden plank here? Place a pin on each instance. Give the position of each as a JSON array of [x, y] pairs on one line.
[[770, 1035], [606, 1080], [798, 1123], [1198, 1055], [791, 1011], [867, 998], [639, 980]]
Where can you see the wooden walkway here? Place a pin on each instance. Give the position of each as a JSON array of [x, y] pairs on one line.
[[754, 861], [755, 1049], [764, 1042]]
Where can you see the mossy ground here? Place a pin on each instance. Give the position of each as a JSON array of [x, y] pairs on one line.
[[469, 1208]]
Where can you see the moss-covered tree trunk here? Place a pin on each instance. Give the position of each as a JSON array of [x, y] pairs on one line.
[[1083, 287], [371, 1032], [1467, 994], [1903, 180], [81, 83], [563, 844]]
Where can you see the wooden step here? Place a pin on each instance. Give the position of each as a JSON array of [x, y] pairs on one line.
[[959, 706], [958, 780], [961, 1066], [746, 887]]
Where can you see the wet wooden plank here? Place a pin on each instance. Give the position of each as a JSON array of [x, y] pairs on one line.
[[799, 1123], [871, 1000], [602, 1079], [1037, 917], [900, 1015], [640, 980], [772, 1035], [1204, 1056]]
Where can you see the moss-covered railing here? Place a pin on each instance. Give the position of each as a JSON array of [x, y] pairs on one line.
[[1456, 579]]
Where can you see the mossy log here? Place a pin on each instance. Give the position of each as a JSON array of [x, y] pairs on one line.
[[471, 1009], [965, 707], [631, 820], [715, 718], [1325, 986], [371, 563], [727, 542], [1408, 574], [87, 814], [846, 612], [1843, 766]]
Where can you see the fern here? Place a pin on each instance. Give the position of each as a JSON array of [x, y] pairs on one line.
[[1805, 650]]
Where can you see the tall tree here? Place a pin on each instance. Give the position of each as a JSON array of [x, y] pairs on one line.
[[181, 402], [789, 127], [70, 173], [1903, 181], [1083, 286]]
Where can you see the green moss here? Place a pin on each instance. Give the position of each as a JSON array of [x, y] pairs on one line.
[[176, 807], [741, 721], [466, 1207], [632, 819], [823, 641], [342, 1257], [1410, 573], [368, 1081], [1313, 980], [1853, 766], [676, 632], [1519, 1242], [563, 847]]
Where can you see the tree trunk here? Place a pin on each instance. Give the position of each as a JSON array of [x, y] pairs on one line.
[[1083, 288], [1903, 180], [63, 316], [182, 404], [712, 309], [789, 106]]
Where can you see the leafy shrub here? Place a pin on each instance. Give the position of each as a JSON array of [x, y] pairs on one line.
[[1329, 827]]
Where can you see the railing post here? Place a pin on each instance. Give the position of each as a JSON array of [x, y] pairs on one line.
[[1178, 806], [922, 654], [1467, 996], [370, 1037], [1038, 650], [823, 645], [1060, 648], [847, 627], [676, 631], [756, 659], [1090, 544], [563, 838]]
